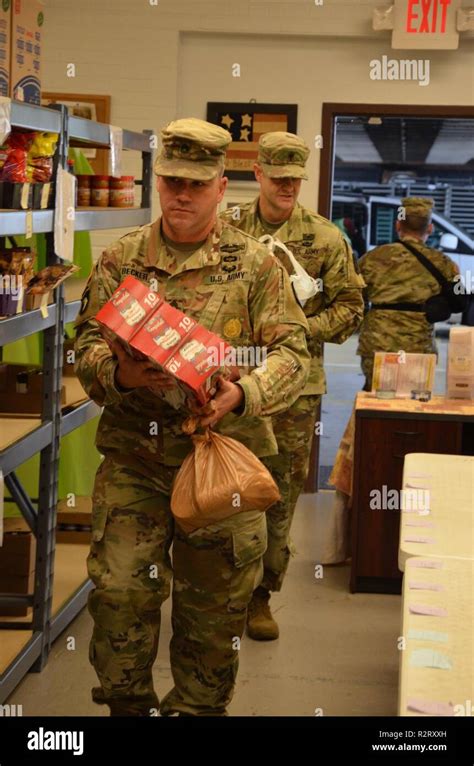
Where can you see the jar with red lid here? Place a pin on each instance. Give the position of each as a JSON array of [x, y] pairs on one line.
[[122, 191], [100, 191], [84, 190]]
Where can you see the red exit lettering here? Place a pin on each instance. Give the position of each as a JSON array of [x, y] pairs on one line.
[[427, 20]]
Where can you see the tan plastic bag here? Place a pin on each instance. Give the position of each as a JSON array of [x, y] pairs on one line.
[[218, 479]]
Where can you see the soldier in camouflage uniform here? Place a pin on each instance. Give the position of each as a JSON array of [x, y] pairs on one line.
[[333, 315], [395, 276], [184, 256]]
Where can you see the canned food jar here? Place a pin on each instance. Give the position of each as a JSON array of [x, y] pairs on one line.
[[100, 182], [122, 191], [84, 196], [99, 197]]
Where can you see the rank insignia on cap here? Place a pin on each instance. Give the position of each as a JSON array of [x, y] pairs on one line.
[[232, 328]]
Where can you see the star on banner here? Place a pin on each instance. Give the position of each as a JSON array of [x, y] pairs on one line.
[[227, 120], [244, 134], [246, 121]]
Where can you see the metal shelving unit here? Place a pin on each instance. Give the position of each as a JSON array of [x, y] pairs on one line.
[[45, 438]]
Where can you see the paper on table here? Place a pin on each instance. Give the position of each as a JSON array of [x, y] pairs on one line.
[[431, 611], [419, 539], [425, 563], [428, 635], [430, 658], [424, 585], [430, 707], [419, 523]]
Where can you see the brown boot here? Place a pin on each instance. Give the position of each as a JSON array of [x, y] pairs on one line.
[[260, 624]]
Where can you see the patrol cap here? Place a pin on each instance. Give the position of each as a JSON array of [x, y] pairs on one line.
[[419, 206], [192, 149], [283, 154]]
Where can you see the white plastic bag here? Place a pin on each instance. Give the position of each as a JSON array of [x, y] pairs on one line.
[[304, 285]]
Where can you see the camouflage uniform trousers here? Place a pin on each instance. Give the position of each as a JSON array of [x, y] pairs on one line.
[[294, 430], [215, 570], [367, 364]]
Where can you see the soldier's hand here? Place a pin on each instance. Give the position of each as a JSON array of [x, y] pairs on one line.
[[228, 397], [132, 373]]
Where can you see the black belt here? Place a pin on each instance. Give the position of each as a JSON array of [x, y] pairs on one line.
[[399, 306]]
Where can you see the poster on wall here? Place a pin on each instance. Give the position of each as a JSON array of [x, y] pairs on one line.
[[247, 122]]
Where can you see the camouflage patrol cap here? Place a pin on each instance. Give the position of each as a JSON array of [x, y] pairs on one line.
[[283, 155], [192, 149], [419, 206]]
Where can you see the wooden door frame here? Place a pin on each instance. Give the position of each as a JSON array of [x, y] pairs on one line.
[[329, 112], [332, 110]]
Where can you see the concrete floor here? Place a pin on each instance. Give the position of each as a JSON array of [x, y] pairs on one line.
[[337, 651]]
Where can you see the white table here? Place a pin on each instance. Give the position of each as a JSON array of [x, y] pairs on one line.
[[437, 639], [447, 530]]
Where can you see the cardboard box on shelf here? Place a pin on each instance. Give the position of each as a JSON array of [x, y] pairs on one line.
[[17, 563], [73, 525], [5, 46], [21, 389], [460, 375], [26, 50], [149, 327]]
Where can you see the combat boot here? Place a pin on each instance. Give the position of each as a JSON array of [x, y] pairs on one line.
[[260, 624]]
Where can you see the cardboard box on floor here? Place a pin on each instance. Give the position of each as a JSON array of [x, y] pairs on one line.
[[26, 50]]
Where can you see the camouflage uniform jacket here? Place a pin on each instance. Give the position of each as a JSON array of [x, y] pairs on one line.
[[336, 312], [394, 275], [231, 285]]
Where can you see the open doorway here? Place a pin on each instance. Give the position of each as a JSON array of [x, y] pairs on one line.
[[372, 156]]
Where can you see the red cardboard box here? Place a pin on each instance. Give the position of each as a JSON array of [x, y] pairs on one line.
[[128, 309], [149, 327], [161, 335], [191, 363]]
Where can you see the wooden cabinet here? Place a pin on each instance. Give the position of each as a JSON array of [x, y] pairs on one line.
[[381, 444]]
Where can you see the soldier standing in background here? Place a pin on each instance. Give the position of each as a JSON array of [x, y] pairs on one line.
[[215, 568], [333, 315], [398, 286]]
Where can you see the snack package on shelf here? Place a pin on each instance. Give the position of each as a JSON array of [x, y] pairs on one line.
[[15, 154], [40, 157], [150, 328], [16, 272], [26, 170], [45, 281]]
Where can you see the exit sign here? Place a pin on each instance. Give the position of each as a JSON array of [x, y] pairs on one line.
[[425, 24]]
